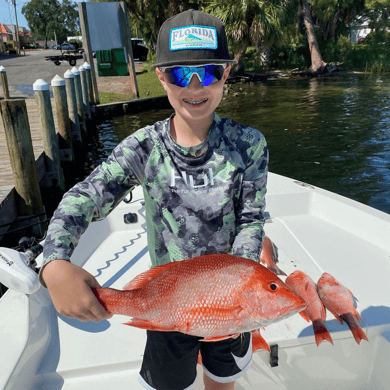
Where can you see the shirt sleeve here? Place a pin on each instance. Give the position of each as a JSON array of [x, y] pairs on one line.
[[250, 220], [93, 199]]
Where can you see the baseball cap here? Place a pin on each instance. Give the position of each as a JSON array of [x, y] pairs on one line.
[[192, 37]]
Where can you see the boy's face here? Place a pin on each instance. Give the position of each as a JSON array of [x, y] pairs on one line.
[[194, 102]]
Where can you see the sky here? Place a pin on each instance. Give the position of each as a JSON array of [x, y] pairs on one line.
[[7, 12]]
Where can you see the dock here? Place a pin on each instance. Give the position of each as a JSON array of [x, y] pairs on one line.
[[6, 176], [8, 203]]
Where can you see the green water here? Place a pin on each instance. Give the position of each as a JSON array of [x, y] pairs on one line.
[[333, 133]]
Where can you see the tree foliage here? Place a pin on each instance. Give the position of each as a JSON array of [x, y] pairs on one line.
[[251, 22], [277, 27], [46, 17]]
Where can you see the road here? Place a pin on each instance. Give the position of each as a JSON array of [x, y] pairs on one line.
[[23, 71]]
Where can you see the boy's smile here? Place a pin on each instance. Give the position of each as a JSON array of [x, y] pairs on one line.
[[195, 102]]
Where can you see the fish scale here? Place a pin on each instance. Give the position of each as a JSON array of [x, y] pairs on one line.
[[209, 296]]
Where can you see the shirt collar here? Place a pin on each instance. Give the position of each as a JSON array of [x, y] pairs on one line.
[[197, 150]]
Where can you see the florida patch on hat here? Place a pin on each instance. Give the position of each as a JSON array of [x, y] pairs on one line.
[[193, 37]]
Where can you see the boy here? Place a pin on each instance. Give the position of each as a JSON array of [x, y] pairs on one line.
[[204, 181]]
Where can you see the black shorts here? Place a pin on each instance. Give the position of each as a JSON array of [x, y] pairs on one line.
[[170, 360]]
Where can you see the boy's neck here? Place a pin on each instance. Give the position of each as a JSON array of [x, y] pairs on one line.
[[190, 133]]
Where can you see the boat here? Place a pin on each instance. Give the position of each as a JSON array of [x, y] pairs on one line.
[[314, 230]]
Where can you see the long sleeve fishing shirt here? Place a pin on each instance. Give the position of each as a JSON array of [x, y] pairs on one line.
[[199, 200]]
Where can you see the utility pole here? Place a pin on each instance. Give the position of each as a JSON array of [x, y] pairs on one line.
[[17, 28]]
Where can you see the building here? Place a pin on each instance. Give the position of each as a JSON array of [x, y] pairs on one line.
[[8, 34], [359, 29], [24, 34]]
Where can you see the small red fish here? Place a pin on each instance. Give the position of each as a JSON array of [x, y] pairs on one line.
[[338, 300], [303, 285], [213, 296], [269, 256]]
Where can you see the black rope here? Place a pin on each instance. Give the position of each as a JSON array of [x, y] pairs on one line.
[[26, 226], [25, 219]]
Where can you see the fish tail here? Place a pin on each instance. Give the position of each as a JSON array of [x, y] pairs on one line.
[[116, 301], [258, 342], [321, 333], [356, 330]]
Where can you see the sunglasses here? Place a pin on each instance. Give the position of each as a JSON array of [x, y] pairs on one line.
[[181, 75]]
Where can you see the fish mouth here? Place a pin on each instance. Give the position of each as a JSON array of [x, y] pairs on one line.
[[292, 309]]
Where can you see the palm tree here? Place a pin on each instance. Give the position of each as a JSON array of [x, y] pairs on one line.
[[317, 64], [248, 22], [149, 15]]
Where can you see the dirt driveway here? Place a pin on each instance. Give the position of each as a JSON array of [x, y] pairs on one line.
[[23, 71]]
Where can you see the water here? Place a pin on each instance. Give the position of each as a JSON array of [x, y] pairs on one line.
[[333, 133]]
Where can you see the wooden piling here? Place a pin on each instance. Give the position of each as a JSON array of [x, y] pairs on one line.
[[73, 114], [88, 69], [19, 142], [79, 100], [4, 82], [88, 49], [49, 135], [64, 131], [84, 90]]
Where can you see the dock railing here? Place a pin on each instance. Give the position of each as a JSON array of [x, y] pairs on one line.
[[61, 149]]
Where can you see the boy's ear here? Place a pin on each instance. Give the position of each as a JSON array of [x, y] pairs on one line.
[[160, 76], [226, 72]]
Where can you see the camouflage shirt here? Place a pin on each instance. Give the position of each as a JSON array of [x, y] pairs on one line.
[[199, 200]]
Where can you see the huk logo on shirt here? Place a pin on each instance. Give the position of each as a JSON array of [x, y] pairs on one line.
[[208, 179], [193, 37]]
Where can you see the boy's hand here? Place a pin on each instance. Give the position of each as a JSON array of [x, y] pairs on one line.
[[70, 287]]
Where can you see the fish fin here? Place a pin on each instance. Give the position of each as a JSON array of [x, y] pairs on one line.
[[356, 314], [280, 272], [146, 276], [356, 330], [321, 333], [236, 311], [276, 270], [323, 313], [336, 316], [274, 252], [258, 341], [220, 338], [145, 324], [304, 315]]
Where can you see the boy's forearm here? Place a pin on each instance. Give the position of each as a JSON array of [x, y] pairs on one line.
[[249, 240]]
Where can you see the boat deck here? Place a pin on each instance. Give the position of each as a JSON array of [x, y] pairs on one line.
[[314, 230]]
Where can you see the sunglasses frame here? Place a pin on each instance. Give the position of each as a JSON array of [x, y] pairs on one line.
[[164, 68]]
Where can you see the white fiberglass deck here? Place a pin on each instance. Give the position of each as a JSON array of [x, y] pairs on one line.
[[314, 230]]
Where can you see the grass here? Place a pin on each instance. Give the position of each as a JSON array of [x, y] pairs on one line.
[[148, 86]]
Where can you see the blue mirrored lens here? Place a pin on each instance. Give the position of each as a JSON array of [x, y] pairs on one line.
[[181, 75]]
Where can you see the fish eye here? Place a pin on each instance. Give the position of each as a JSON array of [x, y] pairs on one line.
[[273, 286]]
